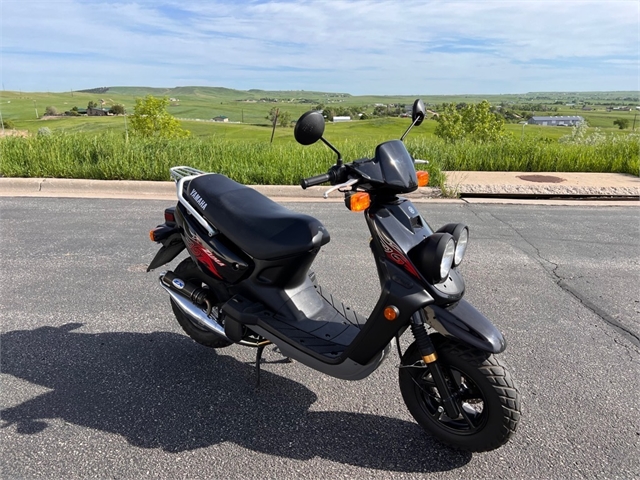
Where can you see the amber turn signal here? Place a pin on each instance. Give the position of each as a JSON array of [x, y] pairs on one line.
[[423, 178], [359, 201], [391, 313], [152, 235]]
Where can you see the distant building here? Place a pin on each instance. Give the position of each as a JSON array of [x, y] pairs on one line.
[[220, 118], [97, 112], [341, 119], [557, 121]]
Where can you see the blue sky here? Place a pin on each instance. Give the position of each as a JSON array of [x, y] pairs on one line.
[[358, 47]]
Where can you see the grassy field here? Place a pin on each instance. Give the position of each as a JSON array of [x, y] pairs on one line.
[[111, 156], [246, 107], [96, 147]]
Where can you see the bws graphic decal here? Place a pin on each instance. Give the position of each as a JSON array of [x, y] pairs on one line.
[[203, 255], [396, 255]]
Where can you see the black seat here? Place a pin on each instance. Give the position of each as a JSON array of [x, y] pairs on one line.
[[259, 226]]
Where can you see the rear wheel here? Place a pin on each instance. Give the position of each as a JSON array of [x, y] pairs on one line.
[[189, 272], [483, 390]]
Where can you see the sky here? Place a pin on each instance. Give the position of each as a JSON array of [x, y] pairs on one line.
[[358, 47]]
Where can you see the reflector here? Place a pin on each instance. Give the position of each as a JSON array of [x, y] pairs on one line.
[[391, 313]]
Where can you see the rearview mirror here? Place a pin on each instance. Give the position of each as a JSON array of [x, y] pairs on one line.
[[418, 112], [309, 128]]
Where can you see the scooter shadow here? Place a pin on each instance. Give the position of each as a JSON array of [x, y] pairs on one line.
[[159, 390]]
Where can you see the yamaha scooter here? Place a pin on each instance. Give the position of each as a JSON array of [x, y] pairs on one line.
[[247, 281]]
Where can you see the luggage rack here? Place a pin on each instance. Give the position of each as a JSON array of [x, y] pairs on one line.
[[177, 173], [181, 175]]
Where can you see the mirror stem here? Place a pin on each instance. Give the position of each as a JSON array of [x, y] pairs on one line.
[[339, 161], [408, 130]]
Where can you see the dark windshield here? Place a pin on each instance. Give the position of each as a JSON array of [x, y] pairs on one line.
[[391, 168]]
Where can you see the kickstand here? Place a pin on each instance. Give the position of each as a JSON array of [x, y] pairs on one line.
[[258, 359]]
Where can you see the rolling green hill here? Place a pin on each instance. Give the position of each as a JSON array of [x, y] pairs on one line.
[[247, 110]]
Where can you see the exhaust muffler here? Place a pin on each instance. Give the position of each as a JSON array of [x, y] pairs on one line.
[[188, 297]]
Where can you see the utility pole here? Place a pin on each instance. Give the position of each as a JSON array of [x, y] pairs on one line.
[[633, 129], [275, 120], [35, 105], [126, 132], [2, 123]]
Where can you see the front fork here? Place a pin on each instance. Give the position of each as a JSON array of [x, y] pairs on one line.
[[430, 358]]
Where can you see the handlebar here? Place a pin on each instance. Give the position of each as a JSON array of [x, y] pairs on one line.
[[315, 180]]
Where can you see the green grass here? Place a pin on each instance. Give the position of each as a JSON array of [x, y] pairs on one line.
[[613, 155], [245, 106], [95, 147], [111, 156]]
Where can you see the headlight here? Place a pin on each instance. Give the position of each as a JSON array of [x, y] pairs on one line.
[[434, 256], [447, 259], [460, 233]]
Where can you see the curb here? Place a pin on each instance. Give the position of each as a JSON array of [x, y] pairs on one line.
[[502, 189], [66, 187]]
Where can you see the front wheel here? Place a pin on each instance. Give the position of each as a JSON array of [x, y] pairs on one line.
[[483, 389]]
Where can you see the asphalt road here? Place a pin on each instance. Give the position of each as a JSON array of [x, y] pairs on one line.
[[98, 380]]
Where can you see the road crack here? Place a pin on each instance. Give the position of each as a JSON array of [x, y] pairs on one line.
[[552, 269]]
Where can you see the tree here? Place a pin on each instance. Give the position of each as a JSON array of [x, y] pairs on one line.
[[117, 109], [51, 111], [481, 123], [151, 119], [622, 123], [284, 118], [476, 122], [450, 125], [92, 104]]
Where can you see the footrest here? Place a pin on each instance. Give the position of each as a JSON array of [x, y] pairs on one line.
[[245, 311]]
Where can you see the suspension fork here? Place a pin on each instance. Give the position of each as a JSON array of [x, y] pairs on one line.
[[430, 358]]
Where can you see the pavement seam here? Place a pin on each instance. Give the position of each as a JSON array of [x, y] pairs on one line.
[[629, 334]]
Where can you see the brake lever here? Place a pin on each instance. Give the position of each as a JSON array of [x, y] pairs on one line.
[[348, 183], [415, 160]]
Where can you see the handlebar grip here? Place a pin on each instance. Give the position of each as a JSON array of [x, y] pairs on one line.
[[316, 180]]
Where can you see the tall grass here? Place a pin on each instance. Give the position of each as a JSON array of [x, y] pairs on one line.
[[613, 154], [110, 156]]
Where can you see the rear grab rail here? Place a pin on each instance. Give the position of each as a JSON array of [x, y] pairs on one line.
[[184, 174]]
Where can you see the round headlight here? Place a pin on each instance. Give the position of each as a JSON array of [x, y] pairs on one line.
[[460, 233], [461, 246], [434, 256], [447, 258]]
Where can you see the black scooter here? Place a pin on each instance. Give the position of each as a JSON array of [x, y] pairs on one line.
[[247, 281]]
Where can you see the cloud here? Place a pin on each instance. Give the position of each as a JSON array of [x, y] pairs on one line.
[[357, 46]]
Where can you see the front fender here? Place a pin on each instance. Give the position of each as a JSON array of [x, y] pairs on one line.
[[467, 324]]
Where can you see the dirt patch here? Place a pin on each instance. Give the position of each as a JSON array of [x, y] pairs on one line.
[[14, 133], [541, 178]]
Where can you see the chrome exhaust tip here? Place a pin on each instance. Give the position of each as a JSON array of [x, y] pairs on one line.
[[193, 311]]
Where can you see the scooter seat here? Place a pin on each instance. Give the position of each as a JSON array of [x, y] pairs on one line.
[[261, 227]]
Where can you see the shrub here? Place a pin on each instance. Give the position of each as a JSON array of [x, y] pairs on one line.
[[7, 123], [117, 109], [50, 110], [622, 123], [44, 132]]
